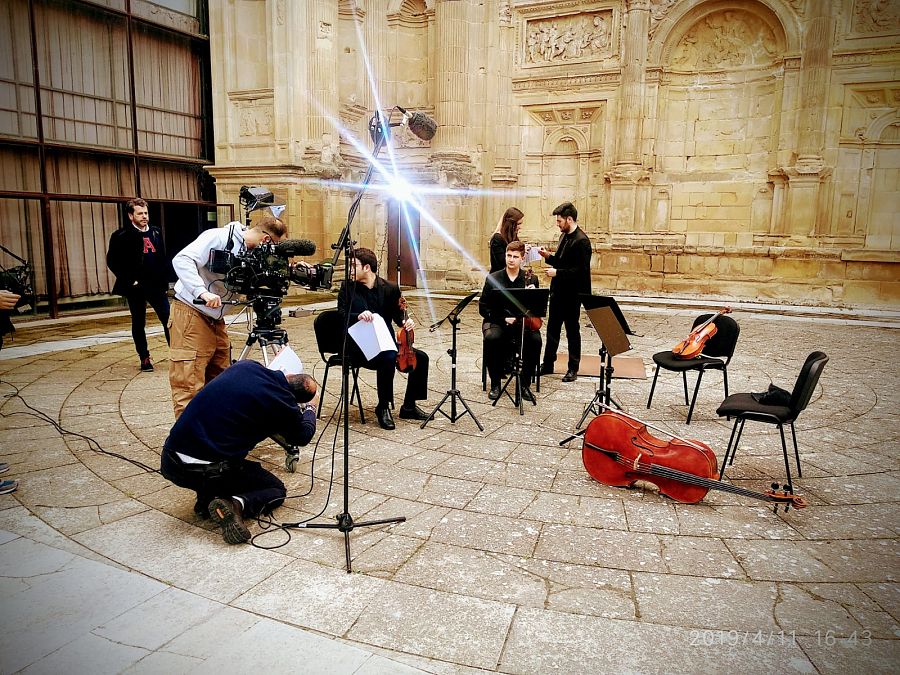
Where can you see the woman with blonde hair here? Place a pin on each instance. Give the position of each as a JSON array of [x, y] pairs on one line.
[[507, 231]]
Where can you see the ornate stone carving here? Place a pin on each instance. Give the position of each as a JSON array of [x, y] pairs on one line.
[[456, 169], [876, 16], [726, 39], [505, 13], [279, 12], [658, 11], [579, 37], [566, 83], [256, 120]]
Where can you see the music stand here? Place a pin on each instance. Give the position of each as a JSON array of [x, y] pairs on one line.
[[453, 393], [520, 303], [612, 327]]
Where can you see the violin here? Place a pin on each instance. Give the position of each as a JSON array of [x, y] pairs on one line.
[[406, 355], [619, 450], [694, 343], [532, 323]]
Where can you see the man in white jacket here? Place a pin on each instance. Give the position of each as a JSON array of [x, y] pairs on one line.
[[200, 347]]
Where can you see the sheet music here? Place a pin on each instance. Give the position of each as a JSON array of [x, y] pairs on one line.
[[373, 337], [287, 362], [533, 255]]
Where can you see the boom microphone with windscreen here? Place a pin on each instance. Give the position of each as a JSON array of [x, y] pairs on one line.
[[292, 247], [420, 124]]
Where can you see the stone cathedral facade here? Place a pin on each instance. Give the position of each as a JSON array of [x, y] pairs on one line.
[[734, 149]]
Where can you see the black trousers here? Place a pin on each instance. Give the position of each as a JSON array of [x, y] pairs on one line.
[[564, 310], [500, 341], [137, 298], [261, 491], [385, 366]]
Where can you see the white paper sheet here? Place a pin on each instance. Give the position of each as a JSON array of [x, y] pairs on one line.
[[533, 255], [373, 337], [287, 362]]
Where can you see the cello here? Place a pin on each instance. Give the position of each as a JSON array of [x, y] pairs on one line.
[[692, 346], [532, 323], [618, 450], [406, 354]]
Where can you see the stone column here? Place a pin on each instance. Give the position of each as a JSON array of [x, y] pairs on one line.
[[809, 171], [452, 69], [628, 178]]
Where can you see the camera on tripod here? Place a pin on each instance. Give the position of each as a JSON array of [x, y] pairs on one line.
[[18, 280], [264, 269]]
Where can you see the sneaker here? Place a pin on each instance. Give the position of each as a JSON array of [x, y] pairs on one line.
[[8, 486], [227, 514], [146, 365], [4, 467]]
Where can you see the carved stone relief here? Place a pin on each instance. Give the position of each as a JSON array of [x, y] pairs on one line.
[[729, 38], [876, 16], [256, 119], [579, 37]]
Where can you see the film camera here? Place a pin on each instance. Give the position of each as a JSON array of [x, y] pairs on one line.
[[17, 280]]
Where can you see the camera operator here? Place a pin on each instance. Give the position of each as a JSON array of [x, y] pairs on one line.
[[200, 346], [206, 451]]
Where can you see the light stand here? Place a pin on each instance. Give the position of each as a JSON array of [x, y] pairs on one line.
[[379, 130], [453, 393]]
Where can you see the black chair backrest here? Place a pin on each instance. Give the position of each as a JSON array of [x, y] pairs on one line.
[[807, 381], [725, 339], [329, 329]]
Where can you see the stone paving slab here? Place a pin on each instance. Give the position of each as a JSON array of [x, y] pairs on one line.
[[512, 558]]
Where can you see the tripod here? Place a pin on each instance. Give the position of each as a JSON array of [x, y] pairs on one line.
[[453, 393], [379, 130]]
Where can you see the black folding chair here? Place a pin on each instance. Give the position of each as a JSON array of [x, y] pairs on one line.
[[716, 355], [745, 407], [329, 329]]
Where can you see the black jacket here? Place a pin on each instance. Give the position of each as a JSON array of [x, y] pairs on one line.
[[383, 298], [125, 258], [489, 306], [572, 261]]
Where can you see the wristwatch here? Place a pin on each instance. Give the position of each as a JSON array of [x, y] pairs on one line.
[[307, 406]]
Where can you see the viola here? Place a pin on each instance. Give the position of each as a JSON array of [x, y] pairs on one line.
[[692, 346], [406, 354], [619, 450]]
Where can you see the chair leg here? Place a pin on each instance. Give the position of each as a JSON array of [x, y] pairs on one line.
[[322, 391], [796, 451], [728, 448], [787, 466], [736, 441], [684, 381], [694, 399], [362, 417], [653, 386], [537, 375], [725, 380]]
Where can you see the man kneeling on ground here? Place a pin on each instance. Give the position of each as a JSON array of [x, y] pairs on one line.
[[206, 451]]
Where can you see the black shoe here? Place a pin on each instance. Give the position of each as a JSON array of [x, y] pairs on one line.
[[146, 365], [227, 514], [201, 510], [547, 369], [570, 376], [385, 419], [528, 395], [494, 393], [412, 412]]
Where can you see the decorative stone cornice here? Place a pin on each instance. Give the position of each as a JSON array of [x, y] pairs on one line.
[[564, 82], [628, 174]]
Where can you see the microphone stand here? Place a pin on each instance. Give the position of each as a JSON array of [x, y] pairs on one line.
[[378, 128]]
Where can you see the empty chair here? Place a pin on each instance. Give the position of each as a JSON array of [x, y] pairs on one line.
[[716, 355], [329, 329], [745, 407]]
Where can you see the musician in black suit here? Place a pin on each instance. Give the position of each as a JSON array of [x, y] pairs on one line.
[[570, 275], [367, 295], [502, 332]]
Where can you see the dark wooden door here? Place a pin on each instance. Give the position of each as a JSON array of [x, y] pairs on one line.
[[403, 245]]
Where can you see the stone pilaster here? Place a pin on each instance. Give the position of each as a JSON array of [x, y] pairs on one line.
[[628, 179]]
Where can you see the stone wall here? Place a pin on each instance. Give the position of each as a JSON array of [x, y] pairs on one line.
[[729, 148]]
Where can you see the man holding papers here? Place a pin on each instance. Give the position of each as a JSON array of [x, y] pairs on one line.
[[373, 300]]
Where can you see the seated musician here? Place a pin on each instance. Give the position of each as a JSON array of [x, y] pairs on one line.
[[503, 332], [367, 295]]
